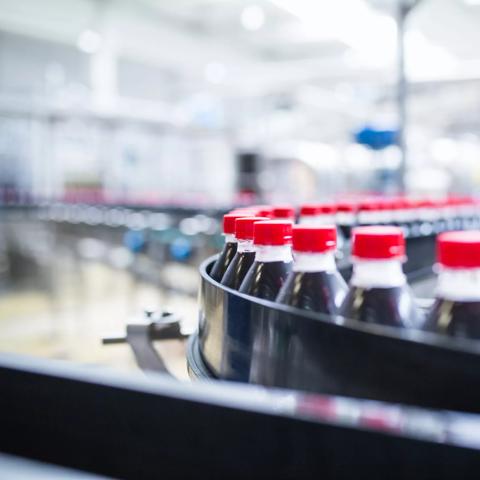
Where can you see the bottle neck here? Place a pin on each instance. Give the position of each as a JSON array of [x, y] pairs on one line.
[[245, 246], [346, 218], [307, 219], [387, 216], [378, 273], [229, 238], [428, 214], [370, 217], [273, 253], [403, 215], [449, 212], [320, 219], [326, 219], [314, 262], [458, 284]]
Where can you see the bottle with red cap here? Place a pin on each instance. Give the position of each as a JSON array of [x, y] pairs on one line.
[[327, 214], [314, 283], [245, 256], [403, 214], [346, 217], [309, 214], [321, 214], [456, 310], [273, 259], [378, 290], [230, 248], [428, 214]]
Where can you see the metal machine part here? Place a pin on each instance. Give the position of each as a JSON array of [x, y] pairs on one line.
[[140, 335], [251, 340]]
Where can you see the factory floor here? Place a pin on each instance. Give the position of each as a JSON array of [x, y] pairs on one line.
[[64, 313]]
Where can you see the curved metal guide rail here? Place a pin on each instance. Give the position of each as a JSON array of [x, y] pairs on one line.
[[251, 340]]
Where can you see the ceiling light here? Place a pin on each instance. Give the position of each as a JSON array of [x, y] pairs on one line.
[[89, 41], [354, 23], [252, 17]]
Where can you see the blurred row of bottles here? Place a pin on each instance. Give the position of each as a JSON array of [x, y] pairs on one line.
[[61, 158]]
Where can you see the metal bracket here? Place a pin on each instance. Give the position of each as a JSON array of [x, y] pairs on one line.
[[141, 334]]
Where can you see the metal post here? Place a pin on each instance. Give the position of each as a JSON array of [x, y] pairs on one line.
[[404, 8], [401, 93]]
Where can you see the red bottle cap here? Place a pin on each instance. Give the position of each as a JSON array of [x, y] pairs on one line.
[[229, 221], [309, 209], [328, 208], [244, 227], [409, 203], [347, 207], [369, 206], [426, 203], [283, 211], [380, 243], [272, 232], [398, 204], [459, 249], [265, 211], [314, 239]]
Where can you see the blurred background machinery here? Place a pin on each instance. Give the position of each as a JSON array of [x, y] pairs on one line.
[[122, 100], [127, 127]]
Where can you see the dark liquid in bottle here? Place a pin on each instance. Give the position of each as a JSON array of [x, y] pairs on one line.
[[264, 279], [345, 230], [223, 261], [321, 292], [238, 268], [458, 319], [394, 306]]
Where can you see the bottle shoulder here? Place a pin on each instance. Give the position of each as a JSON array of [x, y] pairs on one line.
[[321, 292], [264, 279], [394, 306]]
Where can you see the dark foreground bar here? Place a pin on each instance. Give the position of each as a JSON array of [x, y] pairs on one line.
[[129, 427]]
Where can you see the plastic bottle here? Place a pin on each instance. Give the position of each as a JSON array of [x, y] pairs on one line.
[[403, 214], [456, 310], [229, 249], [428, 216], [273, 259], [346, 217], [314, 283], [378, 290], [245, 256]]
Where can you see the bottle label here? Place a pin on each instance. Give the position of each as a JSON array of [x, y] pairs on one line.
[[277, 253], [378, 274], [460, 285], [314, 262]]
